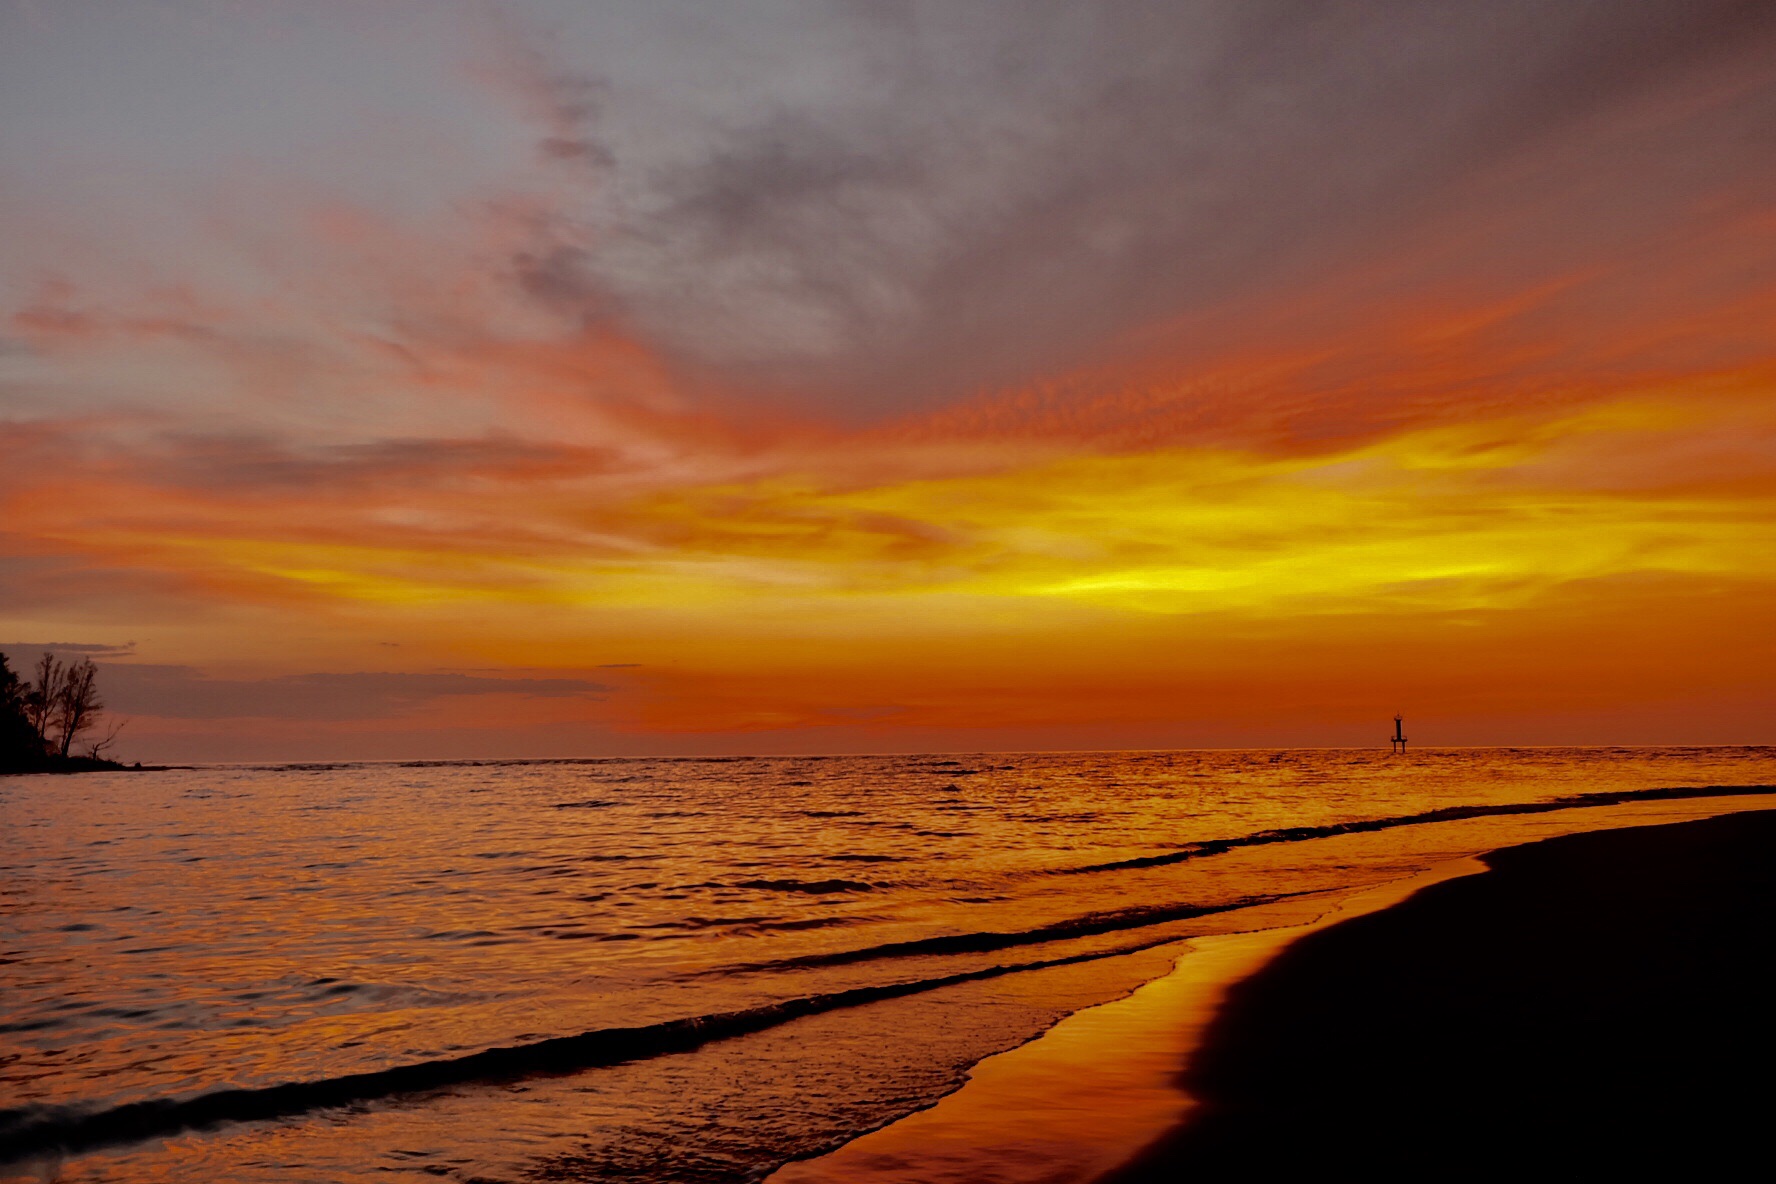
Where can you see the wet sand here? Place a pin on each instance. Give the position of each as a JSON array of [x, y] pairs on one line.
[[1598, 1002], [1101, 1085]]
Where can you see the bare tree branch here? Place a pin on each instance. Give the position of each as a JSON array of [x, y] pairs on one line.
[[78, 703], [41, 702], [97, 749]]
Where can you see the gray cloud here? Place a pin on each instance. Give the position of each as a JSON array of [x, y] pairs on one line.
[[66, 647], [42, 587], [565, 103], [877, 207], [180, 692], [970, 195], [244, 463]]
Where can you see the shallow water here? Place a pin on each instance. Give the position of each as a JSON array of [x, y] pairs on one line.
[[648, 970]]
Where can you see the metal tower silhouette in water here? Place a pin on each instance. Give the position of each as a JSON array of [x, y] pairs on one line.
[[1398, 742]]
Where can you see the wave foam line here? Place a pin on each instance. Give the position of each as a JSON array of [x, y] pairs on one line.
[[1095, 924], [34, 1132], [1297, 834], [991, 941]]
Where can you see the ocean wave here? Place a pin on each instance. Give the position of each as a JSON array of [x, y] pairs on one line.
[[1298, 834], [810, 887], [991, 941], [1095, 924], [38, 1131]]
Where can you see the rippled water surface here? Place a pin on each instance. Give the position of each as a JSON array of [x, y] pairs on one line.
[[652, 970]]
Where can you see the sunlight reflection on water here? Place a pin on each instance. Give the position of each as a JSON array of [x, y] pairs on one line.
[[173, 933]]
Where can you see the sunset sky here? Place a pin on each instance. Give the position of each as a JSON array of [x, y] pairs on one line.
[[420, 379]]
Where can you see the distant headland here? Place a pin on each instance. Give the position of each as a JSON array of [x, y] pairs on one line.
[[44, 717]]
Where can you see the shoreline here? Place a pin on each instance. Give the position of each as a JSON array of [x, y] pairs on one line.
[[1595, 1001], [889, 1014], [1171, 1080], [64, 765], [84, 764], [1101, 1084]]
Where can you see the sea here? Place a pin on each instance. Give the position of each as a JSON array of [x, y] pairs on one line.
[[664, 970]]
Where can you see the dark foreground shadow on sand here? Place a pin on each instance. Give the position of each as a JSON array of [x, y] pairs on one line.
[[1598, 1002]]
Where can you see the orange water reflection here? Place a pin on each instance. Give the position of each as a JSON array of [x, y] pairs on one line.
[[241, 928]]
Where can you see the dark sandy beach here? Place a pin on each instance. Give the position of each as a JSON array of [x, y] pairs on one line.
[[1598, 1002]]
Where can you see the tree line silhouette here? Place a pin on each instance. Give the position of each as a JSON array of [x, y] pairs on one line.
[[44, 716]]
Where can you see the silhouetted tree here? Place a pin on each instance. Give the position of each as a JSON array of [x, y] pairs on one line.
[[12, 691], [77, 702], [41, 720], [41, 699], [18, 740], [98, 748]]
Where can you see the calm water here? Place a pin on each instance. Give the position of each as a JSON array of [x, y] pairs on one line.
[[652, 970]]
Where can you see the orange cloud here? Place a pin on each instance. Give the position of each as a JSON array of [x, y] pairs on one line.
[[1508, 449], [1149, 587]]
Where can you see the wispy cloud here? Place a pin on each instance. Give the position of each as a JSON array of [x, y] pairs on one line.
[[179, 692], [778, 354], [68, 647]]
